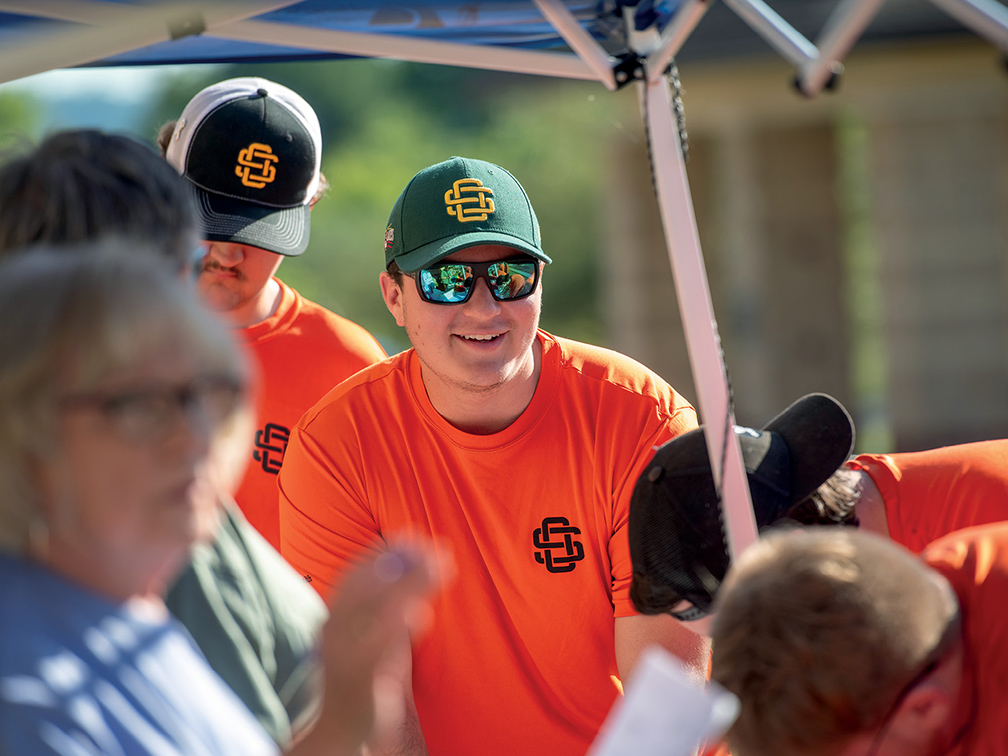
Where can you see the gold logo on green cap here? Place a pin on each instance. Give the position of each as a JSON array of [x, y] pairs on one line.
[[258, 157], [468, 200]]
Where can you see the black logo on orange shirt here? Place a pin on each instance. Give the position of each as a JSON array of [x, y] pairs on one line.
[[270, 445], [559, 551]]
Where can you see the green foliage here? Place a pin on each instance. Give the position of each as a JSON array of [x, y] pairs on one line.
[[175, 91], [863, 289], [19, 118], [383, 121]]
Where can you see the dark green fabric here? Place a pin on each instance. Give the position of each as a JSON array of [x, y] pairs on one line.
[[256, 620]]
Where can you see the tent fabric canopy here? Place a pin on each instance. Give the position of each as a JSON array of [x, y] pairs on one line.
[[500, 22], [233, 31], [515, 24], [36, 35], [615, 42]]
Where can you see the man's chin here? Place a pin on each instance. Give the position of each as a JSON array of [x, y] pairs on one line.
[[216, 295]]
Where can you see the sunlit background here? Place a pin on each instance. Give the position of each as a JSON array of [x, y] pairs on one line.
[[856, 243]]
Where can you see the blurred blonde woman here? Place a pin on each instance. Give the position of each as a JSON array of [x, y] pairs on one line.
[[121, 410], [252, 615]]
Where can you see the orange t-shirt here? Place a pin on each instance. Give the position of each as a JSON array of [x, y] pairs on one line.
[[930, 493], [520, 658], [975, 562], [300, 352]]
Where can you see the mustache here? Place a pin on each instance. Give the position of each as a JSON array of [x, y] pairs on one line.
[[209, 265]]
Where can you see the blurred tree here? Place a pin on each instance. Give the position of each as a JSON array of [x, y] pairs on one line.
[[20, 116]]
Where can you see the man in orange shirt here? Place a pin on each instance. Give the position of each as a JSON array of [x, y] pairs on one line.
[[513, 450], [917, 497], [913, 498], [845, 643], [251, 151]]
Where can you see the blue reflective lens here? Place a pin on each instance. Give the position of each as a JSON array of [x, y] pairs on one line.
[[453, 282]]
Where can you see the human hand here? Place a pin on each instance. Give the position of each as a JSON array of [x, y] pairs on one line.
[[374, 609]]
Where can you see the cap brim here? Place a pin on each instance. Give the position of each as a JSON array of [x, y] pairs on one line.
[[427, 255], [820, 437], [281, 230]]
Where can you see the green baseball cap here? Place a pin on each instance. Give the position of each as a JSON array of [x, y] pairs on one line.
[[457, 204]]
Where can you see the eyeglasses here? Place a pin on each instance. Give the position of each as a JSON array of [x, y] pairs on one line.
[[934, 658], [197, 256], [451, 283], [151, 413]]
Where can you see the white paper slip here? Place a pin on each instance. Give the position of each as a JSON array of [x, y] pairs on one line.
[[663, 712]]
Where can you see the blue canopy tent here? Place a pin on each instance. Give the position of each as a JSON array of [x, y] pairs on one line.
[[614, 42]]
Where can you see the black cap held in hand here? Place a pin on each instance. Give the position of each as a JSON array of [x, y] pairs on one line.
[[677, 540]]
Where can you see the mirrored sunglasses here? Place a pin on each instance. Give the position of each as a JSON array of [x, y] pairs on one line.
[[452, 283]]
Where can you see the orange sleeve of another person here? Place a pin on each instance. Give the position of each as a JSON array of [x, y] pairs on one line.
[[929, 494], [325, 519]]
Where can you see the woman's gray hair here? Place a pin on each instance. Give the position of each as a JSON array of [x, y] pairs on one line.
[[69, 320]]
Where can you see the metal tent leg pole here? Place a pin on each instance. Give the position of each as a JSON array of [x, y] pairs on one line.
[[579, 40], [675, 34], [988, 18], [778, 33], [846, 23], [702, 340]]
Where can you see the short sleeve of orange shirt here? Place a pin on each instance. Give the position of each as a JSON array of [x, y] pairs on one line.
[[931, 493]]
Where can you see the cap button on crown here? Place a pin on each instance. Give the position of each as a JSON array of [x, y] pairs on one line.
[[261, 92]]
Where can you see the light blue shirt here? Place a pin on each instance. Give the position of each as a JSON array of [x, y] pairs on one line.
[[80, 674]]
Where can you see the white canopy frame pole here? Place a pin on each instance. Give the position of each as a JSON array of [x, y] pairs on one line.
[[783, 37], [673, 37], [988, 18], [402, 47], [579, 40], [106, 29], [844, 26], [103, 12], [703, 344]]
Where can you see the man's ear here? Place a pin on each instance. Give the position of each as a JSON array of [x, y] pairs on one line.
[[923, 714], [393, 296]]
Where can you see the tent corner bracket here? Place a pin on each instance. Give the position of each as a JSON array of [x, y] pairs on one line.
[[188, 25], [628, 67]]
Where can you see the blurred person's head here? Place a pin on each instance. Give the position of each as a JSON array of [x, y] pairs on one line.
[[251, 152], [80, 185], [837, 643], [122, 404]]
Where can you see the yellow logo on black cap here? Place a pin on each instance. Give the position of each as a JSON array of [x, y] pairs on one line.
[[468, 200], [260, 158]]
